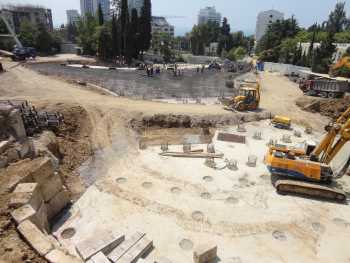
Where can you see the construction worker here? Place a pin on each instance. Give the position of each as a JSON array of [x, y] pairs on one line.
[[1, 68]]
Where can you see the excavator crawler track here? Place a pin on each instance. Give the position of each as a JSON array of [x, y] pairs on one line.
[[310, 189]]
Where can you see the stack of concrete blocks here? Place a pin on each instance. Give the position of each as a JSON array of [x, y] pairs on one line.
[[37, 199], [132, 249], [205, 253]]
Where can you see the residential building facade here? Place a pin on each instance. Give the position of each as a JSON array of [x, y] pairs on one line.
[[161, 25], [72, 16], [105, 6], [86, 6], [91, 6], [15, 15], [340, 49], [137, 4], [264, 20], [209, 14]]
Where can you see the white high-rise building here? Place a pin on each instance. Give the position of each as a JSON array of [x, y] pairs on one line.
[[264, 20], [72, 16], [208, 14], [91, 6], [137, 4]]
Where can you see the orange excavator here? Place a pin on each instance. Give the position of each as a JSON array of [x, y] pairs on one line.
[[308, 169], [341, 68]]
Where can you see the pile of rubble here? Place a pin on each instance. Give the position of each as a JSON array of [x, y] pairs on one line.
[[18, 121], [328, 107]]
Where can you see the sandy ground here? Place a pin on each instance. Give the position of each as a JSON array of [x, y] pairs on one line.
[[117, 155]]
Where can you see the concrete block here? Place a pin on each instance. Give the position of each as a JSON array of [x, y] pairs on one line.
[[139, 250], [4, 145], [23, 213], [60, 256], [26, 193], [57, 203], [51, 186], [36, 239], [42, 170], [3, 161], [101, 241], [99, 258], [119, 251], [16, 123], [205, 253], [40, 219]]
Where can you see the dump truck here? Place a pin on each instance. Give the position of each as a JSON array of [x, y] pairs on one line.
[[323, 85]]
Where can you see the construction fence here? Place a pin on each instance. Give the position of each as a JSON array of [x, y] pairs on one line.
[[285, 69]]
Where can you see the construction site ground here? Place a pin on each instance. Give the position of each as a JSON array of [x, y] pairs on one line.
[[163, 197]]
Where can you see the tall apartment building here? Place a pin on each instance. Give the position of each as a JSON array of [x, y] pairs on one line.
[[72, 16], [137, 4], [106, 8], [15, 15], [264, 20], [208, 14], [86, 6], [161, 25], [91, 6]]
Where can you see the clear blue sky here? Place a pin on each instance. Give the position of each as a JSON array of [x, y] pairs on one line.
[[240, 13]]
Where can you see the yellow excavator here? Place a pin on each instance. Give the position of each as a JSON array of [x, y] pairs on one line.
[[308, 168], [248, 98]]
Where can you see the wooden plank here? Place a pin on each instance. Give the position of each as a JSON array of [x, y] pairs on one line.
[[137, 251], [192, 155], [124, 247]]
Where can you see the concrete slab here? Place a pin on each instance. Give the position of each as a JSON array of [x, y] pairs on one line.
[[99, 258], [205, 253], [23, 213], [102, 241], [137, 251], [51, 186], [119, 251], [26, 193], [42, 170], [57, 203], [40, 219], [36, 239], [60, 256]]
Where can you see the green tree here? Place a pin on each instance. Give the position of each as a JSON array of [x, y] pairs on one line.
[[145, 25], [28, 34], [104, 40], [3, 29], [44, 39], [323, 55], [72, 32], [225, 39], [133, 36], [231, 55], [86, 34], [240, 52], [202, 35], [116, 36], [124, 25], [337, 19], [100, 15]]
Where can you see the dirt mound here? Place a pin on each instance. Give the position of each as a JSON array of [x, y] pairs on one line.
[[328, 107], [186, 121], [74, 144]]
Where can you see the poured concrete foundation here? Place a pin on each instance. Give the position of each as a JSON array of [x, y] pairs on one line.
[[187, 203]]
